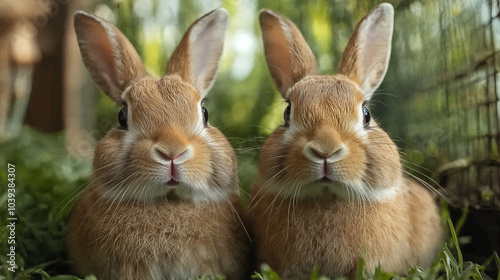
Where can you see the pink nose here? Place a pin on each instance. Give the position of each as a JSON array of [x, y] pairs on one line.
[[169, 156]]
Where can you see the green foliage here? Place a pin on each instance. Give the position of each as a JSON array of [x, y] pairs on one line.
[[456, 268], [47, 180], [266, 274], [38, 272]]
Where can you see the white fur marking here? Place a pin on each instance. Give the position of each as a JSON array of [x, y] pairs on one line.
[[199, 127], [125, 92], [358, 127], [131, 133], [293, 128], [354, 191]]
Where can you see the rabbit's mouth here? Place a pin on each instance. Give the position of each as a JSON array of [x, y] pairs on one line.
[[172, 182], [325, 180]]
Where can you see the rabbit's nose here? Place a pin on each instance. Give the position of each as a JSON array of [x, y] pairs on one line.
[[326, 144], [172, 155], [169, 156], [318, 152]]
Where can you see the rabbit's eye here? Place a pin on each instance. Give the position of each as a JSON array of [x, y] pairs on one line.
[[205, 115], [366, 116], [286, 115], [122, 117]]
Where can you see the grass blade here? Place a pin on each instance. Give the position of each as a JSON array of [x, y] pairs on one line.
[[497, 260], [461, 221], [361, 269], [455, 242]]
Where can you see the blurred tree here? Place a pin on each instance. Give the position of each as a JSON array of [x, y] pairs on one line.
[[45, 108], [19, 51]]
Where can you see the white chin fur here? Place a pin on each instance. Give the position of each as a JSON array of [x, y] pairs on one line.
[[148, 192], [354, 191], [199, 193]]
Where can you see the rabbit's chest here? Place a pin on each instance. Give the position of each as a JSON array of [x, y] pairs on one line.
[[164, 232], [165, 242], [331, 235]]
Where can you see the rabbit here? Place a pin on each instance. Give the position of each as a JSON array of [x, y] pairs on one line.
[[162, 201], [330, 187]]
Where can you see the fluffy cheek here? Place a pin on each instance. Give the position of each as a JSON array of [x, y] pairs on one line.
[[139, 165], [117, 170], [282, 159], [109, 155], [197, 169], [222, 160], [352, 169], [383, 163], [271, 160], [298, 167]]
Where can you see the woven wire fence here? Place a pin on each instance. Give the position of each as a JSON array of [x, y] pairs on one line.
[[447, 65]]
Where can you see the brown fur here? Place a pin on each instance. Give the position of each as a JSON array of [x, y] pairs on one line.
[[162, 202], [125, 240], [208, 48], [364, 59], [282, 55], [331, 187], [294, 236], [91, 37]]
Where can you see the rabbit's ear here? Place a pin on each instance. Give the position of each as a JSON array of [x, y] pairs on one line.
[[288, 56], [110, 58], [197, 56], [366, 57]]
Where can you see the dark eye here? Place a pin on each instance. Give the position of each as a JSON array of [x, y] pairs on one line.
[[286, 115], [205, 115], [122, 117], [366, 116]]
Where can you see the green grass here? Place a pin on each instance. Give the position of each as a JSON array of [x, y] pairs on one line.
[[48, 180]]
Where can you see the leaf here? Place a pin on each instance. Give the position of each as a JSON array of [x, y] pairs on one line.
[[314, 274], [448, 261], [361, 269], [457, 247], [268, 273], [497, 260], [67, 277], [40, 267], [461, 221], [257, 275], [45, 275], [382, 275]]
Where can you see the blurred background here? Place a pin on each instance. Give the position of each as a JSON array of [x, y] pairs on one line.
[[439, 100]]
